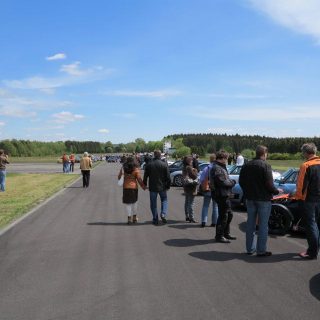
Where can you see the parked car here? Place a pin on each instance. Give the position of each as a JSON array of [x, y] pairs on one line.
[[280, 181], [286, 215], [177, 165], [177, 178]]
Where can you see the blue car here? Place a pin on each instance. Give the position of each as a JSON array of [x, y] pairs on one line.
[[286, 182]]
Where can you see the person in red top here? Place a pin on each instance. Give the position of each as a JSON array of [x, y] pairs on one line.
[[72, 160], [132, 177], [308, 192]]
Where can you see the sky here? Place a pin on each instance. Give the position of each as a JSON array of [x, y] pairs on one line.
[[117, 70]]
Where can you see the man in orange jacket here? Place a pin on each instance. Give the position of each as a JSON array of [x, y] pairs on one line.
[[308, 192]]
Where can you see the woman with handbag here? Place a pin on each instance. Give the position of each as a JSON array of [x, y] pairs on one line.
[[131, 177], [190, 183]]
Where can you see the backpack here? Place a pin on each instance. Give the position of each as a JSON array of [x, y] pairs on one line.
[[212, 174]]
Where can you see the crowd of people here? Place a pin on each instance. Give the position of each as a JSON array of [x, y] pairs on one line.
[[256, 181]]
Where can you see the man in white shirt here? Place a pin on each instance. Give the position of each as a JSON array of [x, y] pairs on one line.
[[240, 160]]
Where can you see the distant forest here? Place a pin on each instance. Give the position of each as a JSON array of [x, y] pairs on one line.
[[198, 143], [209, 142]]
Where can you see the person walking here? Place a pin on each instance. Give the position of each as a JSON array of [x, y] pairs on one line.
[[205, 187], [256, 182], [85, 167], [132, 177], [72, 160], [221, 186], [4, 160], [65, 163], [157, 177], [308, 192], [189, 173]]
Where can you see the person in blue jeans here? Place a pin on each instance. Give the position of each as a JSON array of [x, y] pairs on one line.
[[157, 177], [205, 188], [256, 182], [3, 162]]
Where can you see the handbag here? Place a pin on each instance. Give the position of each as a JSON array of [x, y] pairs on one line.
[[188, 182], [120, 181]]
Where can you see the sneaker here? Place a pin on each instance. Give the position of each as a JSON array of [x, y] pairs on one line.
[[163, 219], [129, 220], [155, 222], [264, 254], [187, 219], [192, 220], [135, 218], [212, 225], [229, 237], [305, 255], [222, 240], [203, 224]]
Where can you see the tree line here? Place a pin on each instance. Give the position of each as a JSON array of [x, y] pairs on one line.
[[203, 143]]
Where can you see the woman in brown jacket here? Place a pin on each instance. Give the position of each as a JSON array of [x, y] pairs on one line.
[[132, 177]]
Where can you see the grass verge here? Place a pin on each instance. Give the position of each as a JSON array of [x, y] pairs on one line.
[[24, 191]]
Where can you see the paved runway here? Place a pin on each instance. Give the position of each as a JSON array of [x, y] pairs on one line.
[[76, 259]]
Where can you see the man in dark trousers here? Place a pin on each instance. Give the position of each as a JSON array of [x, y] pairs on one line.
[[221, 185], [157, 172], [256, 182], [308, 192]]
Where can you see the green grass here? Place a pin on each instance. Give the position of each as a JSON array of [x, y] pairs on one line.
[[283, 165], [24, 191], [49, 159]]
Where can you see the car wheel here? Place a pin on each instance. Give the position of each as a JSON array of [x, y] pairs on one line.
[[280, 220], [178, 180]]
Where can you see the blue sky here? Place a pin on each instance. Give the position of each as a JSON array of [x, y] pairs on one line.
[[117, 70]]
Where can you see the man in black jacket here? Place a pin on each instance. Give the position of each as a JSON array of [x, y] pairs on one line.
[[157, 172], [221, 185], [256, 182]]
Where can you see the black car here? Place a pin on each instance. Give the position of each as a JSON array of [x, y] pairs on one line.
[[286, 215]]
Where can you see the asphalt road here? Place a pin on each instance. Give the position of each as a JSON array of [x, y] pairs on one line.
[[76, 259]]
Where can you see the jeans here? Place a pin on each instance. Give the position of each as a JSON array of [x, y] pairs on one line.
[[189, 205], [311, 211], [85, 178], [262, 210], [66, 167], [2, 180], [153, 204], [224, 217], [205, 208]]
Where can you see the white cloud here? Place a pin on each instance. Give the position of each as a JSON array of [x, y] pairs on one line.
[[73, 69], [16, 112], [66, 117], [57, 56], [74, 75], [299, 15], [125, 115], [2, 123], [238, 96], [146, 94], [274, 113], [103, 130]]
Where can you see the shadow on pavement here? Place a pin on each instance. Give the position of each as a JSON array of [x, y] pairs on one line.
[[186, 226], [186, 242], [118, 223], [228, 256], [315, 286]]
